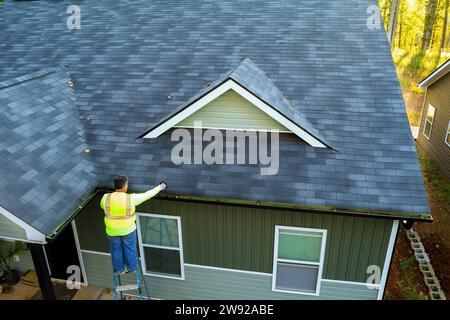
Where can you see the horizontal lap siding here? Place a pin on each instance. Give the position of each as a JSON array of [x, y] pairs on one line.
[[203, 283], [231, 111], [438, 95], [242, 238], [25, 263], [9, 229]]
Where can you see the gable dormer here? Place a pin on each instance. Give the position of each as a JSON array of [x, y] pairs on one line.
[[244, 99]]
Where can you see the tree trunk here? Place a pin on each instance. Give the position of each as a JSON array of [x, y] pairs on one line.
[[400, 33], [393, 20], [444, 26], [430, 18]]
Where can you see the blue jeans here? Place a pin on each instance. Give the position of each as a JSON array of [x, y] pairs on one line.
[[123, 252]]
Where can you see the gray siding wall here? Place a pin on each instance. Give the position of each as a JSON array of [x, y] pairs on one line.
[[438, 95], [205, 283], [25, 263], [9, 229]]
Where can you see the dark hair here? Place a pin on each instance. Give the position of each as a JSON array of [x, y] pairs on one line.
[[120, 182]]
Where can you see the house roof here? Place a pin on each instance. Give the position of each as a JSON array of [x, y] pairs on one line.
[[437, 74], [44, 171], [130, 56], [248, 76]]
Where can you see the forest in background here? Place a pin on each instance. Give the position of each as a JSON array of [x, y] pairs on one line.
[[420, 43]]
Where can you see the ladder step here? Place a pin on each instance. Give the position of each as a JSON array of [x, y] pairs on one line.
[[127, 287]]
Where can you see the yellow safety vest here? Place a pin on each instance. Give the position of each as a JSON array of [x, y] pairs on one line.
[[120, 217]]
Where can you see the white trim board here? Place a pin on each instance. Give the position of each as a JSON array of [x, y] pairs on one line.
[[142, 245], [80, 255], [447, 133], [215, 93], [435, 75], [33, 235], [319, 264], [387, 260], [375, 286]]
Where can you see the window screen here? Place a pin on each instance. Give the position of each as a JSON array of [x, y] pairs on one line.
[[298, 259], [160, 241], [297, 277], [429, 121]]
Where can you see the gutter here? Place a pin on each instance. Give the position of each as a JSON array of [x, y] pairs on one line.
[[50, 238], [415, 217], [405, 217]]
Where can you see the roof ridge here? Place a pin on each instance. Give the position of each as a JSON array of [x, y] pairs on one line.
[[28, 77]]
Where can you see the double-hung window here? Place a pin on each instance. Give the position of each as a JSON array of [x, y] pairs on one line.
[[298, 259], [161, 246], [429, 121], [447, 136]]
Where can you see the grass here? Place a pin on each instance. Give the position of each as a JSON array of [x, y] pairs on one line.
[[407, 284], [435, 179], [414, 117]]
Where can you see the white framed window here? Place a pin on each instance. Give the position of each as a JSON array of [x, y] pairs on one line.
[[447, 136], [298, 259], [161, 245], [429, 121]]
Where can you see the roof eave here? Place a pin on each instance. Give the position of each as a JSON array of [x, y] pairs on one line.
[[392, 215], [435, 75]]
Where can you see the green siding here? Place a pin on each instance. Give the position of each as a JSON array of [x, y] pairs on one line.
[[203, 283], [11, 230], [242, 238], [231, 111], [25, 263]]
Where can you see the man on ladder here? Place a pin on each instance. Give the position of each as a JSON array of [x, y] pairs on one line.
[[120, 222]]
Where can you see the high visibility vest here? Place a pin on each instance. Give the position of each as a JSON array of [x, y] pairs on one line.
[[120, 217]]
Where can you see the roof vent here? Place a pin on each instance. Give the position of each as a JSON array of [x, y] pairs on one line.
[[71, 84]]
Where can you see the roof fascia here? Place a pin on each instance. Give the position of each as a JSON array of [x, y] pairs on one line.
[[33, 235], [435, 75]]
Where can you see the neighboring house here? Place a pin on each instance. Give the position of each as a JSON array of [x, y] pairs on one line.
[[317, 228], [434, 133]]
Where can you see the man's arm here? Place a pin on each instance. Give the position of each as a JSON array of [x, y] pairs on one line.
[[138, 198]]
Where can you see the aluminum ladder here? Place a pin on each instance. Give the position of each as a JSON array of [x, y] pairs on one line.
[[119, 289]]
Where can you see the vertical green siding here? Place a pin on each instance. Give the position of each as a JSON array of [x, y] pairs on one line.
[[231, 111], [203, 283], [11, 230], [243, 238]]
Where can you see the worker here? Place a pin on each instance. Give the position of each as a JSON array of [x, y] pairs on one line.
[[120, 222]]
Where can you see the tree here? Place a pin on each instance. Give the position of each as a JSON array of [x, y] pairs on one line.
[[430, 19], [444, 26]]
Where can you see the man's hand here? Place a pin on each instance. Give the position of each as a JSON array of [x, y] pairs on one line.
[[162, 185]]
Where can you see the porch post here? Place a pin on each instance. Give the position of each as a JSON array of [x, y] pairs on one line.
[[43, 274]]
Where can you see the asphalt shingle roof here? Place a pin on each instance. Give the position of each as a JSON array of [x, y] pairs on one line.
[[129, 56], [248, 75], [44, 171]]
